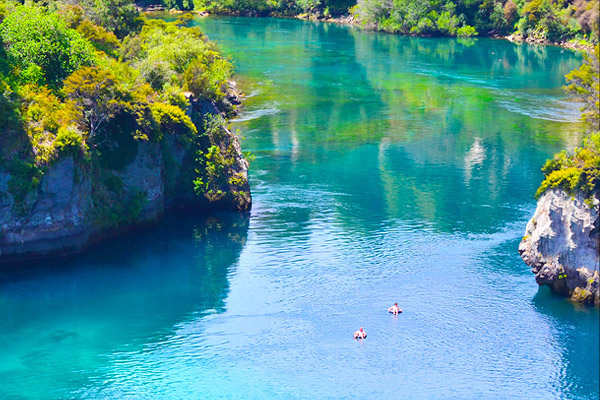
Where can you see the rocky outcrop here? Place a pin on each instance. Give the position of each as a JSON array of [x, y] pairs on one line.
[[561, 245], [78, 202]]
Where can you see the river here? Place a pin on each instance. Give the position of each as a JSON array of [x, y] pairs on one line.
[[386, 169]]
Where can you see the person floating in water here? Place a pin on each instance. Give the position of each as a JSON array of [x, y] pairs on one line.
[[395, 309], [360, 334]]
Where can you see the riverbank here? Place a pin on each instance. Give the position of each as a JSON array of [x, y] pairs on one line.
[[101, 142], [362, 190], [350, 20], [573, 44]]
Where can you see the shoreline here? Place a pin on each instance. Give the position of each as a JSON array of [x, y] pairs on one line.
[[348, 20]]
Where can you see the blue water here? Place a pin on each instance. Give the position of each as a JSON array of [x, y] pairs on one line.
[[387, 169]]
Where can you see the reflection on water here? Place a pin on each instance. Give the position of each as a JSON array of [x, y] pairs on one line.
[[388, 169], [123, 297], [403, 117]]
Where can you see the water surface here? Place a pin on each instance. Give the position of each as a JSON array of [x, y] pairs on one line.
[[387, 169]]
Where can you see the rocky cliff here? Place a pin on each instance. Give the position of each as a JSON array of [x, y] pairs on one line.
[[78, 201], [561, 245]]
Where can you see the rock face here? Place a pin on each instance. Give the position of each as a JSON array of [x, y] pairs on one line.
[[77, 202], [561, 245]]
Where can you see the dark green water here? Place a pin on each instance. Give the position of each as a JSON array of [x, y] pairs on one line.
[[387, 169]]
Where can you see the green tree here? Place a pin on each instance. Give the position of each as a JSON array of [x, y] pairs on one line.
[[584, 83], [94, 95], [580, 171], [118, 16], [42, 46]]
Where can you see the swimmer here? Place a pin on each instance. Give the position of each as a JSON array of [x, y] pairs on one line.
[[395, 309], [360, 334]]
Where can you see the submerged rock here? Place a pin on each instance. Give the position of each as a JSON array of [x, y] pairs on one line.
[[561, 245]]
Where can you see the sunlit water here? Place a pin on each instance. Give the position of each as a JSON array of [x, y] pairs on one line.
[[387, 169]]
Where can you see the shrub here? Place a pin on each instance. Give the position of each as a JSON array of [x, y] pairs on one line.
[[44, 115], [117, 16], [100, 38], [584, 84], [42, 46], [510, 12], [25, 177], [568, 179], [466, 31], [171, 56], [68, 141], [9, 110], [94, 94], [173, 120]]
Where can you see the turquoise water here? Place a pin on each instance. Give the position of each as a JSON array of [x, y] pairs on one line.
[[387, 169]]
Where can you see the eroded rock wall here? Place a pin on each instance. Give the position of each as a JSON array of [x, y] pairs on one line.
[[73, 206], [561, 245]]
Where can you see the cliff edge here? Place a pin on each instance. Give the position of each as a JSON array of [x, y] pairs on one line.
[[79, 201], [561, 245]]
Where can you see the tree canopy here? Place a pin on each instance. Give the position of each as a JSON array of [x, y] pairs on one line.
[[41, 46]]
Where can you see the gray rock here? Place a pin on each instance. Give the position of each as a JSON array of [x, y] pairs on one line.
[[561, 245], [63, 216]]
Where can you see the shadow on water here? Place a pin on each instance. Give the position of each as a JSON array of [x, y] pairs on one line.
[[122, 296], [576, 335]]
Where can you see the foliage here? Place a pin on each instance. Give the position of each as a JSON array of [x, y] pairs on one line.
[[207, 76], [44, 116], [173, 120], [169, 55], [70, 87], [9, 110], [117, 16], [415, 17], [93, 93], [211, 173], [68, 140], [553, 20], [214, 164], [42, 47], [580, 172], [584, 84], [25, 177], [100, 38], [276, 7]]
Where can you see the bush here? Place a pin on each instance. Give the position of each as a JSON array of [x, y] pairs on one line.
[[43, 47], [9, 110], [44, 115], [25, 177], [580, 172], [584, 84], [100, 38], [117, 16], [466, 31], [94, 94], [173, 120], [68, 141], [568, 179], [510, 12], [171, 56]]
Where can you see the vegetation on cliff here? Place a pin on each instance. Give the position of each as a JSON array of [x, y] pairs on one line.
[[94, 80], [580, 171]]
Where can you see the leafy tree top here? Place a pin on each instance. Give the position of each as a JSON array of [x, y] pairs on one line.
[[42, 47]]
